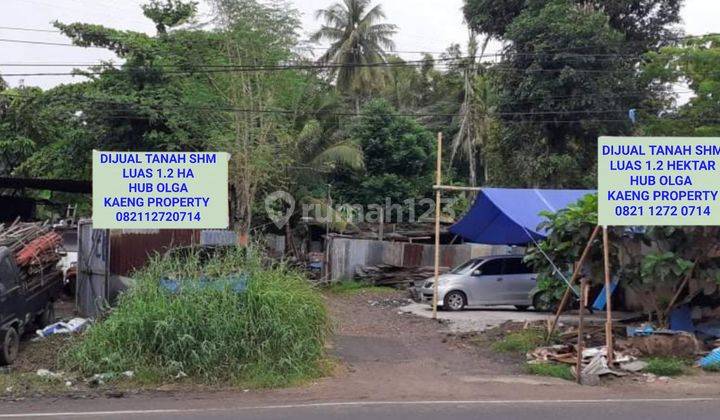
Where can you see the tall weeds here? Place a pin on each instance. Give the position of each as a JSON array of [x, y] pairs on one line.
[[270, 335]]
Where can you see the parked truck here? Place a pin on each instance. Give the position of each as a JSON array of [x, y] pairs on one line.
[[26, 298]]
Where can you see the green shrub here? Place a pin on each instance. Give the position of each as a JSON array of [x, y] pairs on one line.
[[666, 366], [554, 370], [272, 334], [520, 341]]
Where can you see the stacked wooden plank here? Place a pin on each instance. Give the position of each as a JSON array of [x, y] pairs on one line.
[[391, 275], [18, 234], [34, 247]]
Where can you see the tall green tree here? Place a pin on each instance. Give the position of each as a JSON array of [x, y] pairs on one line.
[[399, 159], [695, 61], [564, 82], [357, 41], [568, 74], [645, 23], [477, 122]]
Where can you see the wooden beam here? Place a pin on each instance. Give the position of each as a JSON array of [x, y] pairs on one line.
[[580, 343], [576, 274], [438, 197], [439, 187], [608, 302]]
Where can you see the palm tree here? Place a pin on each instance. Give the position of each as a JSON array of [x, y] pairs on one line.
[[357, 41], [476, 113]]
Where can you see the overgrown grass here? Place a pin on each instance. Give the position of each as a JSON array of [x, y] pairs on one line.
[[273, 334], [520, 341], [555, 370], [712, 369], [352, 287], [667, 366]]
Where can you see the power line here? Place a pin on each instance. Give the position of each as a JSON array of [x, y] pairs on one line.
[[626, 94], [604, 57], [248, 69], [53, 44], [164, 107], [215, 108], [13, 28]]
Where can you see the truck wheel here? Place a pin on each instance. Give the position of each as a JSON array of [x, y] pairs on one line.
[[47, 316], [10, 346]]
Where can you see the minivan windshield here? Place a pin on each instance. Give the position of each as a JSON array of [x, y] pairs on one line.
[[466, 267]]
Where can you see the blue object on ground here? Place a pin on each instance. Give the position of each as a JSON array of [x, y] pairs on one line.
[[711, 360], [237, 284], [640, 331], [508, 216], [599, 304], [681, 319]]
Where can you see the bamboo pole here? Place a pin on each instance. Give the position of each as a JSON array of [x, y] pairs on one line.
[[608, 302], [455, 188], [438, 193], [580, 343], [576, 274]]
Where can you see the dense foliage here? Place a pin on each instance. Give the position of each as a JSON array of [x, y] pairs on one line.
[[359, 117], [399, 159], [643, 21], [653, 262], [695, 61]]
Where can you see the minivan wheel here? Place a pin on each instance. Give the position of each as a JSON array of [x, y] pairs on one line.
[[454, 301], [10, 346], [542, 303]]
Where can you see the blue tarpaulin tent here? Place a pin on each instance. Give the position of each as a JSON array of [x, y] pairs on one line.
[[506, 216]]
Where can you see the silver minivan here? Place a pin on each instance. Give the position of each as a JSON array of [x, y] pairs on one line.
[[495, 280]]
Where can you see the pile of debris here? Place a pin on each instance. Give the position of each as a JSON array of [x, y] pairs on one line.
[[391, 275], [594, 361], [638, 343], [34, 246]]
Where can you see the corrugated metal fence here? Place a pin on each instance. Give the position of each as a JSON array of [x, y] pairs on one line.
[[347, 254]]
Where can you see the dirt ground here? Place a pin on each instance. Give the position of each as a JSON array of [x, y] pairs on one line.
[[381, 354]]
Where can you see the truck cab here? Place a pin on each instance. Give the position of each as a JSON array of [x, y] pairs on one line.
[[23, 301]]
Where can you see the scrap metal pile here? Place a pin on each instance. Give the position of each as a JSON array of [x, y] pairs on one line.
[[391, 275], [636, 344], [34, 246]]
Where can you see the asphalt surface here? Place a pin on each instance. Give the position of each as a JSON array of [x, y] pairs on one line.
[[640, 409]]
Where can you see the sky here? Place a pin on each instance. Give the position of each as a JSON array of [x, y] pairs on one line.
[[423, 25]]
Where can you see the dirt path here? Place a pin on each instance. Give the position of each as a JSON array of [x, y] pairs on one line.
[[383, 355]]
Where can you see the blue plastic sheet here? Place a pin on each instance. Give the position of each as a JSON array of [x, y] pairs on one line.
[[599, 303], [506, 216], [237, 284]]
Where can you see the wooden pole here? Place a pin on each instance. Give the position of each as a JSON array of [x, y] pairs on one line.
[[455, 188], [580, 344], [381, 226], [438, 193], [576, 274], [608, 302]]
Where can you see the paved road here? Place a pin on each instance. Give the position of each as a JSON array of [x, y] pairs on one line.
[[636, 409]]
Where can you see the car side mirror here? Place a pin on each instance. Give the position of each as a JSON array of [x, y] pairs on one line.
[[477, 272]]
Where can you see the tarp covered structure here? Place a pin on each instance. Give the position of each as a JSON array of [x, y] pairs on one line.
[[507, 216]]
